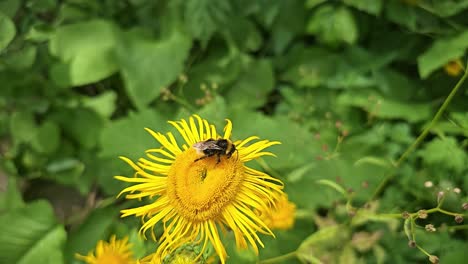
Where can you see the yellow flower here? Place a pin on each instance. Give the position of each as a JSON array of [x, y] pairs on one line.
[[454, 67], [194, 200], [114, 251], [281, 216]]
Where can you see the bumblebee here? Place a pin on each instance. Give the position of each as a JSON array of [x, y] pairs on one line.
[[211, 147]]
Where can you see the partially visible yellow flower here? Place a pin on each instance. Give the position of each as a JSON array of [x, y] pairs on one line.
[[281, 216], [112, 252], [454, 67], [196, 198]]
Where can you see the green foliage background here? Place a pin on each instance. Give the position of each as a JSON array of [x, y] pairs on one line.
[[347, 86]]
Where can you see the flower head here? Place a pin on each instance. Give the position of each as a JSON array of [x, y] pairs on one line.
[[454, 67], [281, 216], [115, 251], [196, 193]]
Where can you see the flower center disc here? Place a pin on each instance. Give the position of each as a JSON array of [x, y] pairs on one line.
[[199, 190]]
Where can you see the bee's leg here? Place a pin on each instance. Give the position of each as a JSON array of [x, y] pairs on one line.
[[219, 158], [200, 158]]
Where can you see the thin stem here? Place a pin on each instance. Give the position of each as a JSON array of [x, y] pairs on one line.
[[279, 258], [457, 227], [423, 251], [421, 137]]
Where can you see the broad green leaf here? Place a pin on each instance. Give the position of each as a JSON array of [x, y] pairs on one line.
[[253, 86], [7, 31], [445, 153], [47, 138], [31, 235], [85, 237], [9, 7], [370, 6], [323, 241], [127, 136], [88, 49], [333, 26], [22, 59], [104, 104], [149, 65], [22, 127], [386, 108], [82, 124], [205, 17], [441, 52], [10, 195], [445, 8]]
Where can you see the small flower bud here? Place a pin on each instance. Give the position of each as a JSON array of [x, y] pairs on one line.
[[430, 228], [433, 259], [411, 244], [405, 215], [459, 219], [428, 184], [456, 190], [422, 214], [440, 195], [465, 206]]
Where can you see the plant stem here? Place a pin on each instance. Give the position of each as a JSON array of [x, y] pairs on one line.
[[279, 258], [421, 137]]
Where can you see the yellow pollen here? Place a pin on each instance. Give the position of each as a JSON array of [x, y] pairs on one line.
[[199, 190]]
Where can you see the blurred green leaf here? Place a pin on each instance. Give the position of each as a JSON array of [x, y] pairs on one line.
[[82, 124], [333, 26], [254, 85], [9, 7], [94, 228], [104, 104], [22, 127], [22, 59], [445, 153], [87, 49], [10, 195], [204, 17], [370, 6], [43, 241], [333, 185], [445, 8], [7, 31], [386, 108], [127, 136], [441, 52], [47, 138], [149, 65]]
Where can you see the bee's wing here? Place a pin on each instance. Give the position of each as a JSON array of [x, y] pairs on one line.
[[205, 145]]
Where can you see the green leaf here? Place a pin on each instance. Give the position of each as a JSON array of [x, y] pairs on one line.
[[149, 65], [445, 153], [7, 31], [104, 104], [22, 127], [22, 59], [333, 185], [370, 6], [85, 237], [127, 136], [441, 52], [445, 8], [254, 85], [10, 195], [87, 48], [322, 241], [47, 138], [82, 124], [205, 17], [333, 26], [31, 235], [386, 108]]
